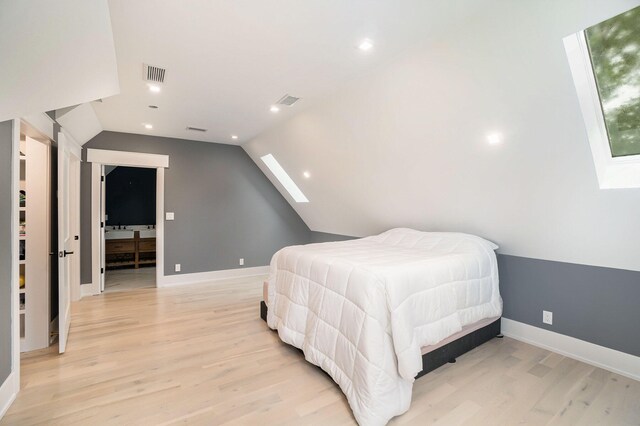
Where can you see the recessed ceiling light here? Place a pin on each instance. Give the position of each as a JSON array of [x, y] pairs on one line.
[[154, 88], [234, 137], [365, 45], [306, 175], [153, 106], [274, 108], [494, 138], [148, 126]]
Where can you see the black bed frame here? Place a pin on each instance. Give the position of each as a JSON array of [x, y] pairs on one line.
[[447, 353]]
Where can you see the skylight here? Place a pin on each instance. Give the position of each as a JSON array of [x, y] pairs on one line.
[[606, 72], [614, 47], [284, 178]]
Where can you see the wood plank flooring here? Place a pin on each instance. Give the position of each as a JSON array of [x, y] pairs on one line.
[[129, 279], [200, 355]]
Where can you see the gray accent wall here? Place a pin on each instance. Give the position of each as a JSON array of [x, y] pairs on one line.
[[591, 303], [323, 237], [6, 195], [225, 208]]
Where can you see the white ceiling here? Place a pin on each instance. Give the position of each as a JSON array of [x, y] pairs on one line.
[[228, 61], [54, 54], [407, 145]]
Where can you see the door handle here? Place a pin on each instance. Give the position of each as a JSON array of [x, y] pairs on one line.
[[65, 253]]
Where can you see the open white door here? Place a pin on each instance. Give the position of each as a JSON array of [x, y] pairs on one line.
[[68, 240], [103, 223]]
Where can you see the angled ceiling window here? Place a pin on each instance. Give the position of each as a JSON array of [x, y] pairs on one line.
[[605, 64], [614, 47], [282, 176]]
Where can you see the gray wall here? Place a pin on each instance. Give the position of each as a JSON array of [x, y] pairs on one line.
[[225, 208], [595, 304], [6, 195], [324, 237]]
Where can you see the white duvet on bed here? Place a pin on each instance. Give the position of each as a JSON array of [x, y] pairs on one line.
[[362, 309]]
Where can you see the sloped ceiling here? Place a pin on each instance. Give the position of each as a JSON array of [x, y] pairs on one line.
[[407, 145], [54, 54], [81, 122], [228, 61]]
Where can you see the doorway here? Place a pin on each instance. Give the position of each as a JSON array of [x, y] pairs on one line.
[[129, 256], [103, 161]]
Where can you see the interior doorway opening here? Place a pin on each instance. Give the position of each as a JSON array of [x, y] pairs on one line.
[[100, 161], [129, 210]]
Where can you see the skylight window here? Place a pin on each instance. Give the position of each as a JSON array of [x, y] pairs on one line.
[[282, 176], [605, 64], [614, 47]]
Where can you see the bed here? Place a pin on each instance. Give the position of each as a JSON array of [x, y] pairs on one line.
[[377, 312]]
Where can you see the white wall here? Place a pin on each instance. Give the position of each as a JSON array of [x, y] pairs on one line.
[[54, 54], [406, 144]]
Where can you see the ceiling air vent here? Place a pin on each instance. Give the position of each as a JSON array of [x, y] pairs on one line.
[[154, 74], [288, 100], [196, 129]]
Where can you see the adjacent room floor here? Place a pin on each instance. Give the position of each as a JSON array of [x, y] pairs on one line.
[[200, 355], [129, 279]]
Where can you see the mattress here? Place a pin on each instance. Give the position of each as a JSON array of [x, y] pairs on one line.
[[363, 310], [425, 349]]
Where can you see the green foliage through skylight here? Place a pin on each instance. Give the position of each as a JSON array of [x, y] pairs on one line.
[[615, 54]]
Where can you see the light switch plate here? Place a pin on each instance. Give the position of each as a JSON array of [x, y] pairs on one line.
[[169, 215]]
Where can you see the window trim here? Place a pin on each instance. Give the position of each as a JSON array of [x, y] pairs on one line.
[[613, 172]]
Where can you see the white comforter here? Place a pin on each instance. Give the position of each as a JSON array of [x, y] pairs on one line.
[[362, 309]]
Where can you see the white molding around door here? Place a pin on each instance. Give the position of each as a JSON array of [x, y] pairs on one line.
[[130, 159], [11, 386], [8, 392], [100, 158]]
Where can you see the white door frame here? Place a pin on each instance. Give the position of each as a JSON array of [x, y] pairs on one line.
[[99, 158], [11, 386], [43, 125]]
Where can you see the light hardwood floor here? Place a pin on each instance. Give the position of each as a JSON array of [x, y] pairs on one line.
[[200, 355], [129, 279]]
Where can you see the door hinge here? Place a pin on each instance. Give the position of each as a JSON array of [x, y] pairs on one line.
[[102, 270], [101, 224], [101, 178]]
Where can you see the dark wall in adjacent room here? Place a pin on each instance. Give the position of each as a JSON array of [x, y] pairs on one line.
[[131, 196]]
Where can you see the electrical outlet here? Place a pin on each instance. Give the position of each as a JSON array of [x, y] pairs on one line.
[[170, 216], [241, 261], [547, 317], [178, 267]]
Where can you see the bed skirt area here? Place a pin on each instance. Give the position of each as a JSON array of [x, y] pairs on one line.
[[441, 355]]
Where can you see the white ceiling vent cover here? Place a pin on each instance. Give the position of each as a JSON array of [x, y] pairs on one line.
[[196, 129], [153, 74], [288, 100]]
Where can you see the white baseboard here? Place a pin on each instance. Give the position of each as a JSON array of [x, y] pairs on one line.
[[89, 290], [202, 277], [609, 359], [8, 392]]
